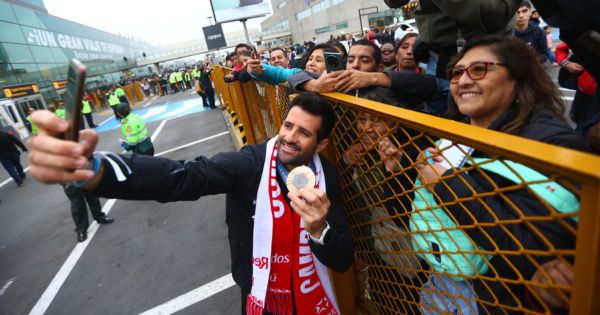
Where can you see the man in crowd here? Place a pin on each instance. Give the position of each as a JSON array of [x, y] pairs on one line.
[[364, 72], [530, 32], [279, 57], [9, 156], [298, 223]]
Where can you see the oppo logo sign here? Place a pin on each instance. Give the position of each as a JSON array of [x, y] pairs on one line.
[[216, 36]]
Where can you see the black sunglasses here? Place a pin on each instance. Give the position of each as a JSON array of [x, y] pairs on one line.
[[475, 71]]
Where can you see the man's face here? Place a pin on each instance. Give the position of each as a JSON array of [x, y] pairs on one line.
[[360, 57], [387, 54], [298, 138], [279, 59], [523, 16]]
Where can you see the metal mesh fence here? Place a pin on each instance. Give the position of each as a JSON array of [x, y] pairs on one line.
[[483, 230]]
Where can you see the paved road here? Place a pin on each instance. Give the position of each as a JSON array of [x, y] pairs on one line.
[[152, 254]]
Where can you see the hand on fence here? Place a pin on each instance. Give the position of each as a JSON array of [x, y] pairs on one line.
[[354, 155], [429, 167], [312, 205], [53, 160], [390, 155], [558, 273]]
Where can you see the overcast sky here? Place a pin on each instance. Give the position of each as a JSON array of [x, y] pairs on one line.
[[159, 22]]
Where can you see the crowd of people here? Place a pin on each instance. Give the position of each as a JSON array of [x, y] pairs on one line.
[[490, 75]]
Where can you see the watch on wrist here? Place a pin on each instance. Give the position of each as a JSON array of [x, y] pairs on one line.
[[320, 240]]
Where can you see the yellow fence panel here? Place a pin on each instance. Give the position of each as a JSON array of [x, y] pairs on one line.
[[487, 234]]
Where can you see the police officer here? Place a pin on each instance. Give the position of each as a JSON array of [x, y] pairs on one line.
[[179, 79], [113, 99], [86, 110], [134, 131], [121, 94], [30, 125], [173, 82]]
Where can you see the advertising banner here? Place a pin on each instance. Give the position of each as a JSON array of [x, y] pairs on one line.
[[214, 37], [236, 10]]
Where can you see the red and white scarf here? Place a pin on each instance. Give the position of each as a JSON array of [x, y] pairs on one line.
[[285, 264]]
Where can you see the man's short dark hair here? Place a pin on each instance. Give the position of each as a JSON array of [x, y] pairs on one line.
[[316, 105], [279, 48], [525, 4], [376, 50], [242, 45]]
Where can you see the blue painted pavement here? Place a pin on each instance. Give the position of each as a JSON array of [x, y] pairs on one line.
[[160, 112]]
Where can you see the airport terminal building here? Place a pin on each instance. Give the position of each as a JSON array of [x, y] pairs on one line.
[[35, 49]]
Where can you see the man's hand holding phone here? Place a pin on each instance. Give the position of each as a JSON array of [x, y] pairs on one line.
[[54, 160]]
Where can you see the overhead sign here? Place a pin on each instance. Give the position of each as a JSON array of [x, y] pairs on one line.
[[59, 85], [236, 10], [20, 90], [214, 37]]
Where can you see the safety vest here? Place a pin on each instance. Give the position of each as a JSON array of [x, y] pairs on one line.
[[34, 129], [86, 107], [120, 92], [196, 73], [187, 76], [134, 129], [60, 112], [113, 99], [173, 77], [449, 249], [178, 76]]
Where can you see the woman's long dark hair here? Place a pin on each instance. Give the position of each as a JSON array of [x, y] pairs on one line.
[[533, 87], [324, 46]]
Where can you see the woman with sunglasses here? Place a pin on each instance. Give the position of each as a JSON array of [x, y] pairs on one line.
[[496, 83]]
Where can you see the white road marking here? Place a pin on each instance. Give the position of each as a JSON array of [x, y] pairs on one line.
[[154, 111], [106, 120], [5, 287], [192, 143], [44, 302], [25, 170], [160, 127], [50, 293], [192, 297]]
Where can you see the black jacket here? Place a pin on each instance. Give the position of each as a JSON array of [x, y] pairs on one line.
[[535, 38], [8, 145], [543, 126], [238, 175]]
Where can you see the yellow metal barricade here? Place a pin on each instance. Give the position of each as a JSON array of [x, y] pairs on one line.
[[509, 220]]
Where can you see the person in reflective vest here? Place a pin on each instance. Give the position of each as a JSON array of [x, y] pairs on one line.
[[179, 78], [134, 131], [173, 82], [187, 78], [121, 94], [32, 127], [113, 100], [86, 110], [60, 110]]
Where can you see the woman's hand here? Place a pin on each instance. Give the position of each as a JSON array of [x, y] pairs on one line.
[[429, 167]]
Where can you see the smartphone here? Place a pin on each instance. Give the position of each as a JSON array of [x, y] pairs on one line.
[[333, 61], [455, 155], [73, 97]]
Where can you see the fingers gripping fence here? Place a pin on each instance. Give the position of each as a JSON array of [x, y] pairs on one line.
[[507, 225]]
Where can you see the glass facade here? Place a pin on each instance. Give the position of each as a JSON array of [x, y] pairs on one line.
[[35, 47]]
